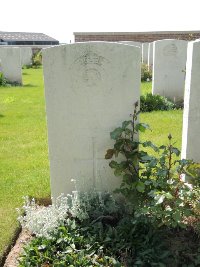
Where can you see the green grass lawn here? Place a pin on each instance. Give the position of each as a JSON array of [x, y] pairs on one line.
[[162, 123], [146, 88], [24, 167]]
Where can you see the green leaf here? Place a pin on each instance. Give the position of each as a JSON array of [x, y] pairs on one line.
[[176, 216], [150, 144], [175, 151], [147, 158], [132, 155], [153, 163], [132, 179], [123, 164], [162, 173], [118, 144], [131, 144], [113, 164], [128, 132], [118, 172], [116, 133], [141, 127], [125, 124], [162, 147], [127, 178], [140, 187], [109, 153], [168, 195]]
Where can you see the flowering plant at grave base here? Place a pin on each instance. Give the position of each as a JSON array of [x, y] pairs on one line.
[[43, 221], [105, 237], [153, 185]]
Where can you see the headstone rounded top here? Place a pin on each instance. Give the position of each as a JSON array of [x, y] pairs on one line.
[[170, 40], [92, 43]]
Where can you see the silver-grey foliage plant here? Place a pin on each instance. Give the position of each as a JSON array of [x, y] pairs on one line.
[[43, 221]]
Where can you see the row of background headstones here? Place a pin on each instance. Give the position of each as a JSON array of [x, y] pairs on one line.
[[169, 67], [10, 67], [90, 89], [176, 75], [167, 59], [11, 61]]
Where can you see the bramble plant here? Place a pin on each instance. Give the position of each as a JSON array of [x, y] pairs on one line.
[[154, 185]]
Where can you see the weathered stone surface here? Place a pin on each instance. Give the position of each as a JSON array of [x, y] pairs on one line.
[[90, 89], [132, 43], [169, 68], [150, 55], [10, 64], [191, 115], [26, 55], [145, 48]]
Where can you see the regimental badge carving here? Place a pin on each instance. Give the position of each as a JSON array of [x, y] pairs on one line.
[[90, 68]]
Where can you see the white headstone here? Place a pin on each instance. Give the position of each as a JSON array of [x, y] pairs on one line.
[[169, 68], [11, 64], [26, 56], [132, 43], [191, 115], [150, 55], [145, 48], [90, 89]]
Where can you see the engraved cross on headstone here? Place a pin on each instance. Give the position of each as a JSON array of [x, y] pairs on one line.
[[94, 159]]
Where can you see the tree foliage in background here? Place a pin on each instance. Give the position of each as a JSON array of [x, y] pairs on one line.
[[37, 59]]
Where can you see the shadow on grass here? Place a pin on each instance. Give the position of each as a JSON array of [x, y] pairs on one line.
[[2, 116], [42, 201], [25, 73], [29, 85]]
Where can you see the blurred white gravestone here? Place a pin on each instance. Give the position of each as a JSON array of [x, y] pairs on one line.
[[10, 59], [191, 115], [90, 89], [150, 55], [145, 48], [131, 43], [26, 55], [169, 68], [138, 44]]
